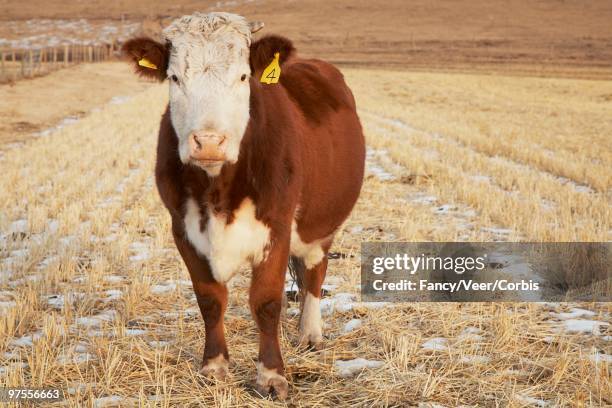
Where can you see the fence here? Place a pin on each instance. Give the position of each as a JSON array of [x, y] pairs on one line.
[[18, 64]]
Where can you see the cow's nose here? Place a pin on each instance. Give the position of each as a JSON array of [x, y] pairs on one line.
[[207, 146]]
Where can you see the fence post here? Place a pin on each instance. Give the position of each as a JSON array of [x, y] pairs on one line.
[[2, 64], [30, 63], [37, 61]]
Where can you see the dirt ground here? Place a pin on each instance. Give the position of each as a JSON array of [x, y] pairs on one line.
[[546, 37]]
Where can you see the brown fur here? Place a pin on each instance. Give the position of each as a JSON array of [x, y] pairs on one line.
[[303, 148]]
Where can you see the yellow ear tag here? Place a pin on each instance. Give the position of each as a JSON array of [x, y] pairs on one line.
[[143, 62], [272, 72]]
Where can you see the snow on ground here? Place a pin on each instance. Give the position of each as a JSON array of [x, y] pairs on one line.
[[27, 340], [574, 313], [159, 343], [11, 367], [58, 301], [119, 99], [348, 368], [436, 344], [584, 326], [471, 334], [112, 295], [140, 252], [571, 322], [6, 305], [530, 401], [160, 289], [115, 279], [68, 121], [351, 325], [38, 33], [475, 359], [110, 401], [135, 332], [96, 320], [80, 388], [344, 302], [20, 225], [598, 357], [373, 168], [75, 358]]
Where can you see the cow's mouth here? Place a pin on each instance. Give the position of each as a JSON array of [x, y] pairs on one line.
[[207, 163]]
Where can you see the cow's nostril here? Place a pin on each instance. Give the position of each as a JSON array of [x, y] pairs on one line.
[[221, 140], [197, 142]]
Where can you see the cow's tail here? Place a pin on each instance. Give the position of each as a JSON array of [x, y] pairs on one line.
[[297, 269]]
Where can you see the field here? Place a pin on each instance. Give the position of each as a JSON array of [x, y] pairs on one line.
[[546, 37], [462, 146]]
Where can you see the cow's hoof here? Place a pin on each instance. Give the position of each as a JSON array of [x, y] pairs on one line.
[[270, 382], [217, 368], [311, 341]]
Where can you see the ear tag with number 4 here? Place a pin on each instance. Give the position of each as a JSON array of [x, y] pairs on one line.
[[272, 72], [143, 62]]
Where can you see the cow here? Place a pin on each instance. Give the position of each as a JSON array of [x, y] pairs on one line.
[[260, 159]]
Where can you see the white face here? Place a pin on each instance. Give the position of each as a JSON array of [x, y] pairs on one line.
[[209, 74]]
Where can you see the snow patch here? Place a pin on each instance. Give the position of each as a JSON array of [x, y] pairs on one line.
[[141, 252], [348, 368], [584, 326], [97, 320], [119, 100], [160, 289], [159, 343], [436, 344], [352, 325], [530, 401], [110, 401], [574, 313]]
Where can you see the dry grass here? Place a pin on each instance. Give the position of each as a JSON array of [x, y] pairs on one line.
[[37, 104], [531, 154], [95, 243]]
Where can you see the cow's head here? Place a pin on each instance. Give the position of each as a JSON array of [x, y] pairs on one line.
[[205, 58]]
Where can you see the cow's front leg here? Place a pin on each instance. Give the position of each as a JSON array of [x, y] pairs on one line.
[[212, 300], [266, 297]]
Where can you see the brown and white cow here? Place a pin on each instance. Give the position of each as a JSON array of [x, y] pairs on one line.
[[251, 173]]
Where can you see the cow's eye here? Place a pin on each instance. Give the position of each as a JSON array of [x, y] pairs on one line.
[[243, 77], [174, 78]]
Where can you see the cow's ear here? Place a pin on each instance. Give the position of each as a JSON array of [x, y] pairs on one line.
[[262, 51], [149, 57]]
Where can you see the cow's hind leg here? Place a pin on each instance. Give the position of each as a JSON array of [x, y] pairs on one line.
[[212, 300], [266, 298], [311, 326]]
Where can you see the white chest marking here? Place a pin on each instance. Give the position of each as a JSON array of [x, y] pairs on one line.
[[228, 246]]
